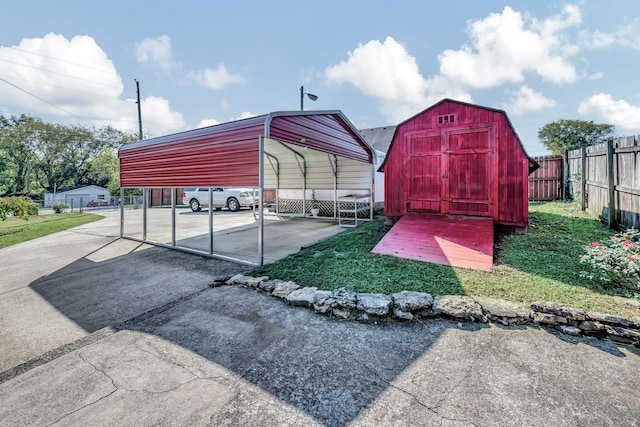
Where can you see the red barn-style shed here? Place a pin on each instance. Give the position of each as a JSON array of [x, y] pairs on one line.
[[458, 158]]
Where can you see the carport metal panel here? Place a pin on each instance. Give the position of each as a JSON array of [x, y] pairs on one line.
[[232, 154]]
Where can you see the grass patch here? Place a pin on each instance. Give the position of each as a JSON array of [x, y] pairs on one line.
[[544, 264], [16, 230]]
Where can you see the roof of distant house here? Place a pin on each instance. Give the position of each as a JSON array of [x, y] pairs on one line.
[[379, 138]]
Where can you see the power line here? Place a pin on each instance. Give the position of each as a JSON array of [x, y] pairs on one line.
[[63, 60], [44, 100], [58, 73]]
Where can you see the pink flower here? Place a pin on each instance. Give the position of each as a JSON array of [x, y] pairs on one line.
[[594, 244], [634, 246], [631, 258], [625, 243]]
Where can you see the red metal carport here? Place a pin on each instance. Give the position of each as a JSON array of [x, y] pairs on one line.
[[304, 150]]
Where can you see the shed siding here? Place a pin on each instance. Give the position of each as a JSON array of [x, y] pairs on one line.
[[508, 162]]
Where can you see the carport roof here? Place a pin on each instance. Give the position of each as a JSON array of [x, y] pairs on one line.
[[228, 153]]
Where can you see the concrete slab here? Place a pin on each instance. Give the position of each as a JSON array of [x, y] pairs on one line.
[[235, 356], [62, 287]]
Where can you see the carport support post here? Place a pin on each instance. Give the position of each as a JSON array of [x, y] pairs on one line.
[[260, 201], [121, 211], [145, 192], [173, 217], [210, 221]]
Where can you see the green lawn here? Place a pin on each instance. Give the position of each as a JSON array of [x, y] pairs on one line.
[[541, 265], [16, 230]]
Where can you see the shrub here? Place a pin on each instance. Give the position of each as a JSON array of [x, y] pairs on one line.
[[616, 261], [17, 206], [59, 207]]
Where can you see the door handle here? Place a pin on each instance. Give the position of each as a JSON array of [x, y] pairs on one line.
[[445, 176]]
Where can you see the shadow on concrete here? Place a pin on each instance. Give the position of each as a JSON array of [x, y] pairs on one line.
[[96, 294], [329, 369]]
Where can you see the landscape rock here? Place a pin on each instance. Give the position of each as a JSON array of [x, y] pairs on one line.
[[362, 316], [568, 313], [236, 280], [459, 307], [374, 304], [410, 301], [504, 312], [343, 298], [342, 313], [613, 320], [254, 282], [220, 281], [590, 326], [622, 332], [302, 297], [402, 314], [284, 288], [269, 285], [570, 330], [321, 303], [544, 318]]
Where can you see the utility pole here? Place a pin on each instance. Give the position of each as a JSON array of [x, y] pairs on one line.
[[139, 113]]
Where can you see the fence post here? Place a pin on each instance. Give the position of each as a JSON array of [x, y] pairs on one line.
[[611, 185], [565, 175], [583, 180]]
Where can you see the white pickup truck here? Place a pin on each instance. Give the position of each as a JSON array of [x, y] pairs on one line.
[[231, 198]]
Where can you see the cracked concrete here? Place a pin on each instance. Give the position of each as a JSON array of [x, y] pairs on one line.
[[235, 356], [231, 356]]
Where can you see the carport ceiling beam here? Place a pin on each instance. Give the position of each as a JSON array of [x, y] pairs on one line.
[[271, 159], [298, 157]]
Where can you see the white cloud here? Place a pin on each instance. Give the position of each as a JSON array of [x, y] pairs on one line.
[[244, 115], [627, 35], [596, 39], [207, 122], [156, 52], [215, 78], [158, 118], [72, 80], [596, 76], [386, 71], [526, 99], [504, 46], [620, 113]]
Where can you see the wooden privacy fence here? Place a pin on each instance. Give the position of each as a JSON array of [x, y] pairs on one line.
[[605, 178], [545, 183]]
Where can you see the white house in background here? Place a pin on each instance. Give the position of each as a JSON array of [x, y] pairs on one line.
[[78, 195]]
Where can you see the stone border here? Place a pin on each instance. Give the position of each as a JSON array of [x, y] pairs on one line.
[[409, 305]]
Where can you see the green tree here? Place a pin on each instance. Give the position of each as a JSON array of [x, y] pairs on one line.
[[39, 156], [564, 135]]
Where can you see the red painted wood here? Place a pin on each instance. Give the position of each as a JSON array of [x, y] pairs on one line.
[[458, 241], [481, 165]]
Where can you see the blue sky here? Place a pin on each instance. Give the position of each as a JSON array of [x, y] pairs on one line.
[[380, 62]]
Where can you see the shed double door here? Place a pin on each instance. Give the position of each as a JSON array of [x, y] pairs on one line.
[[450, 172]]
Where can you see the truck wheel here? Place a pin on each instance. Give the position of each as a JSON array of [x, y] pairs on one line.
[[195, 205], [233, 205]]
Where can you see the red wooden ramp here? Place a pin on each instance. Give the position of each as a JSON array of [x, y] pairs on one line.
[[458, 241]]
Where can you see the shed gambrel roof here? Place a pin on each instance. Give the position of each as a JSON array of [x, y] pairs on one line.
[[533, 165]]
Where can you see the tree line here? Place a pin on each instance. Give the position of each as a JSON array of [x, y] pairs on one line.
[[36, 157]]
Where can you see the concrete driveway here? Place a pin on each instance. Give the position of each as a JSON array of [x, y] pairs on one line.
[[112, 333]]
